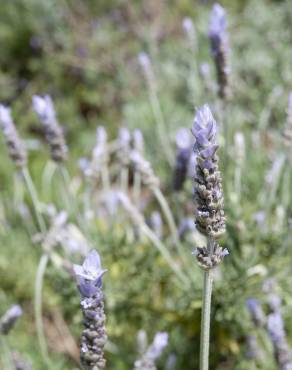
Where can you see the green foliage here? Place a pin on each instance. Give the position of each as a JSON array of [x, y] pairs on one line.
[[85, 55]]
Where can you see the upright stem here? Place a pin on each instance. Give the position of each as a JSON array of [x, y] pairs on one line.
[[33, 194], [205, 320], [38, 305]]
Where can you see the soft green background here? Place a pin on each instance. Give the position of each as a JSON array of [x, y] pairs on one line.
[[84, 53]]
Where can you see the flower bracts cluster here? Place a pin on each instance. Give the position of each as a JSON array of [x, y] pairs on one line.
[[89, 278], [210, 219], [220, 48], [15, 146], [148, 359], [44, 108], [208, 192]]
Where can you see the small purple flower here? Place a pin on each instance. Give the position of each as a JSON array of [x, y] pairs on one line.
[[10, 317], [89, 274]]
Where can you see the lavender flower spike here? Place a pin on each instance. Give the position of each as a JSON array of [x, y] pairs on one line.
[[147, 362], [183, 153], [10, 317], [220, 48], [15, 146], [282, 351], [44, 108], [256, 312], [208, 192], [89, 279]]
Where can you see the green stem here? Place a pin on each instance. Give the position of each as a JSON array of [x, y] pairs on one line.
[[124, 179], [165, 253], [137, 188], [34, 198], [168, 214], [205, 320], [38, 306]]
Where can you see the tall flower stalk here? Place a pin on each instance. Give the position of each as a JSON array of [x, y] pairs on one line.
[[209, 214], [93, 339]]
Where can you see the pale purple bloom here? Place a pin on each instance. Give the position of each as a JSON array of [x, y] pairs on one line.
[[89, 274], [8, 320], [256, 311], [44, 108], [218, 23]]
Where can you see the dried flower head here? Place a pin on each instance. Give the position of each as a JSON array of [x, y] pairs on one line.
[[8, 320], [89, 279], [44, 108], [208, 192], [15, 146], [220, 48]]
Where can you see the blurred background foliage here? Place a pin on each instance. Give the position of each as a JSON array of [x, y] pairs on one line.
[[85, 54]]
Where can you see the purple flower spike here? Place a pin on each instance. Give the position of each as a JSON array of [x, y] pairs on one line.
[[220, 48], [44, 108], [10, 317], [208, 188], [15, 146], [89, 278], [183, 154]]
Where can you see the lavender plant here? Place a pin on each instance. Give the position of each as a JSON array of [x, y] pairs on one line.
[[93, 339], [209, 215]]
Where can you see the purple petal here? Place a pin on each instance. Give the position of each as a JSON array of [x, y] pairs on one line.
[[209, 152]]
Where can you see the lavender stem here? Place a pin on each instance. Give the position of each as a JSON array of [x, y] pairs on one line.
[[205, 321], [38, 306], [34, 198]]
